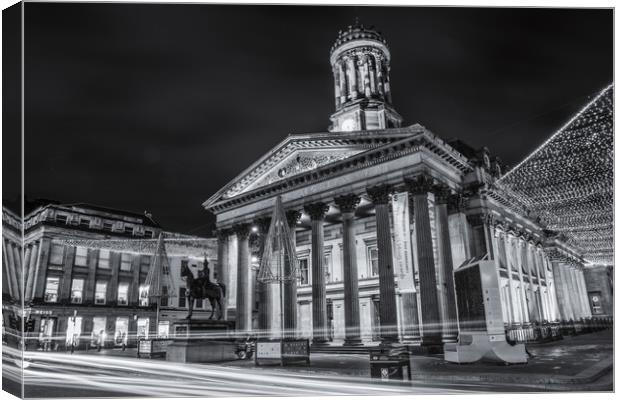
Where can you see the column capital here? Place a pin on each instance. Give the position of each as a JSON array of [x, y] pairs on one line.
[[242, 230], [347, 203], [420, 184], [442, 194], [480, 218], [317, 210], [456, 203], [222, 234], [379, 194], [263, 224], [292, 217]]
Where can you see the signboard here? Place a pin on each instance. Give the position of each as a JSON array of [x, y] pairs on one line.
[[402, 243], [268, 350], [152, 347], [144, 347], [283, 351]]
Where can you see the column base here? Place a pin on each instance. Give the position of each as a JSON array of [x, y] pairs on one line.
[[389, 341], [319, 342], [353, 342]]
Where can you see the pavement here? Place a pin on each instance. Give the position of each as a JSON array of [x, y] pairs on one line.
[[575, 360], [583, 362]]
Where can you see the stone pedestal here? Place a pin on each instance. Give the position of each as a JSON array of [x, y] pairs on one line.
[[201, 350]]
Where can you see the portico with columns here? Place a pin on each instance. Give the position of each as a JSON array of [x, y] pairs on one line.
[[381, 216]]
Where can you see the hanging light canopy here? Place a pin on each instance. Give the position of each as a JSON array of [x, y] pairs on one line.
[[568, 180]]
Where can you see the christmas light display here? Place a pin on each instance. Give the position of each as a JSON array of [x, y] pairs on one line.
[[176, 247], [568, 180]]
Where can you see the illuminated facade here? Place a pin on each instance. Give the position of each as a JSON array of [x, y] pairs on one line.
[[84, 275], [382, 214]]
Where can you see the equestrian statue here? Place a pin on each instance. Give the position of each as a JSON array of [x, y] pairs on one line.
[[203, 288]]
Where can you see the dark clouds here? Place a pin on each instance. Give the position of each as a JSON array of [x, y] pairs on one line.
[[158, 106]]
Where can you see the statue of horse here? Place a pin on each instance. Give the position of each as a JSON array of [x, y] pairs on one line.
[[203, 288]]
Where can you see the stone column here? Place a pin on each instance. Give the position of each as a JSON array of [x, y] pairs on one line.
[[352, 78], [409, 298], [317, 213], [559, 292], [540, 272], [380, 196], [347, 205], [265, 298], [446, 269], [17, 255], [31, 272], [584, 293], [430, 326], [290, 287], [222, 267], [26, 265], [563, 292], [534, 313], [574, 294], [41, 270], [243, 307], [503, 245], [10, 268]]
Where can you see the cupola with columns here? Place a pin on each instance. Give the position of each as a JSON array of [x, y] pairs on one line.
[[360, 62]]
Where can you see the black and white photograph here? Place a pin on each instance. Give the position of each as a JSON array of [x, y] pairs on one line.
[[215, 200]]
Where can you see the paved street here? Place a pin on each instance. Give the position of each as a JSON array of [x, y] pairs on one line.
[[113, 372]]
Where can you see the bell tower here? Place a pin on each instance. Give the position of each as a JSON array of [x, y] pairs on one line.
[[360, 62]]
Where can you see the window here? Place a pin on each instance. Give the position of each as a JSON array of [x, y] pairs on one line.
[[104, 259], [51, 289], [164, 296], [61, 219], [84, 223], [107, 226], [129, 230], [126, 262], [77, 291], [148, 233], [144, 295], [327, 265], [372, 255], [303, 272], [163, 330], [145, 263], [57, 254], [100, 292], [81, 256], [123, 294], [182, 298]]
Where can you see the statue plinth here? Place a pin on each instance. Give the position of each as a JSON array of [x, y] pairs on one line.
[[202, 341]]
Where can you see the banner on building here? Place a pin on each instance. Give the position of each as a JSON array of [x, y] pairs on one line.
[[402, 243]]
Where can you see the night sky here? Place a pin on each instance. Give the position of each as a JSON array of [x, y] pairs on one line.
[[156, 107]]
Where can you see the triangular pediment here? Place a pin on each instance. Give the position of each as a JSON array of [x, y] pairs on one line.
[[302, 153]]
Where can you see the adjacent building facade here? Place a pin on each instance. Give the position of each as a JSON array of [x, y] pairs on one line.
[[84, 272], [382, 215]]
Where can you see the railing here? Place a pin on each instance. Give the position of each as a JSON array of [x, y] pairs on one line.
[[547, 331]]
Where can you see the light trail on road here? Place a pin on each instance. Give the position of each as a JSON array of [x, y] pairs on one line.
[[158, 378]]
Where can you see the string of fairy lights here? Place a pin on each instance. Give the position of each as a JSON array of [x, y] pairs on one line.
[[568, 180], [175, 247]]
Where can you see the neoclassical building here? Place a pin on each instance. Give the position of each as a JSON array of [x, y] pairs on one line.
[[382, 214]]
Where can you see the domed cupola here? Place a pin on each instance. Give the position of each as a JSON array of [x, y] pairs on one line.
[[360, 62]]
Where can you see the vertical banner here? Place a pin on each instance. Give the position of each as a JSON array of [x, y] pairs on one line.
[[402, 243]]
